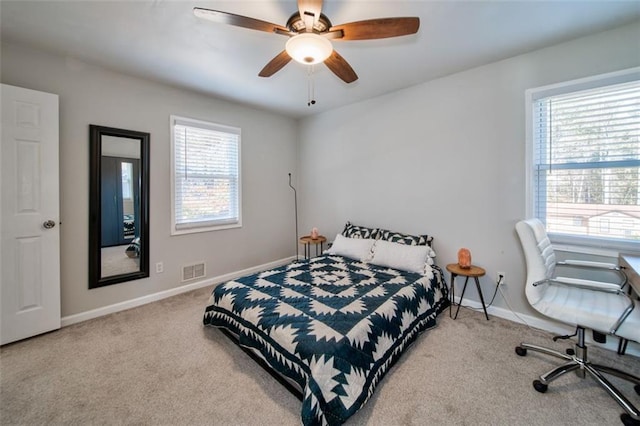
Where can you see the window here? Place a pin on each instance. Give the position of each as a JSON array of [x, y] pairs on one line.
[[584, 159], [127, 181], [205, 169]]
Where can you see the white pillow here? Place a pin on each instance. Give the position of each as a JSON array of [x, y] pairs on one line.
[[401, 256], [354, 248]]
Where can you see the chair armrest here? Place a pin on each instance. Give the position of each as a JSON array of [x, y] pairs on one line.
[[589, 264], [588, 283], [595, 286], [585, 284], [603, 266]]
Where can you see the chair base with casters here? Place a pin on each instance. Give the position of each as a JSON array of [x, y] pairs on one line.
[[577, 361], [577, 300]]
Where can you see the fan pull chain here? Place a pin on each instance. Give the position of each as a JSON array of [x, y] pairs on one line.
[[311, 89]]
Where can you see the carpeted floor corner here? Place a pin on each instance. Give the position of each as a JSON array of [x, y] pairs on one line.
[[158, 365]]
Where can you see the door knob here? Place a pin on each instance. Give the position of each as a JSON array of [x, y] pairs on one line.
[[49, 224]]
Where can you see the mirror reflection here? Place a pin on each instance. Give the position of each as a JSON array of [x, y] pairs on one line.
[[118, 231], [120, 210]]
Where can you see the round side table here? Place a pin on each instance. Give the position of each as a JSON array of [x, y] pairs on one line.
[[472, 272], [307, 241]]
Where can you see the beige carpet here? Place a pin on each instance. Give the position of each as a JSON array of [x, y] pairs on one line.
[[158, 365], [115, 261]]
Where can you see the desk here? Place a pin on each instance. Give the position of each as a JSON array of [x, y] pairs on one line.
[[630, 264], [472, 272], [307, 241]]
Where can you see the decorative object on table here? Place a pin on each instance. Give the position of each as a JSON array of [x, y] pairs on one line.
[[314, 233], [464, 258], [295, 204]]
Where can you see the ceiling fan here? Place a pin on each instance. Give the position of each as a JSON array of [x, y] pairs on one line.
[[310, 33]]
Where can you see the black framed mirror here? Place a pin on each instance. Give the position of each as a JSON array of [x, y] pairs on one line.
[[118, 205]]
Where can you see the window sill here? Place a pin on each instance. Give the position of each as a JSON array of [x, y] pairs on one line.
[[195, 230], [594, 251], [593, 246]]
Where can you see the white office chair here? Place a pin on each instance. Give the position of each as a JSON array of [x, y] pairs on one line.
[[603, 307]]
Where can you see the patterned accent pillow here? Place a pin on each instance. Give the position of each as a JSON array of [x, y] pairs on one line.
[[411, 240], [133, 250], [355, 231]]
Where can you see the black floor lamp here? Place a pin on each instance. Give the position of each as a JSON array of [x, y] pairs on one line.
[[295, 203]]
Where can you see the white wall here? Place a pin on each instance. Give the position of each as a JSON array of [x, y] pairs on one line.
[[90, 95], [446, 157]]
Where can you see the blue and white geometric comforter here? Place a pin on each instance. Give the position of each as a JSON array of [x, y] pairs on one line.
[[332, 324]]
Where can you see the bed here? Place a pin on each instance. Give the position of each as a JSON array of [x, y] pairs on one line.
[[332, 326], [129, 226]]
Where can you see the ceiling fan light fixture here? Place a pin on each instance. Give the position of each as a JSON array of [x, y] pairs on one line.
[[309, 48]]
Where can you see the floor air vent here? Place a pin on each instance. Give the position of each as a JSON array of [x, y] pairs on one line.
[[191, 272]]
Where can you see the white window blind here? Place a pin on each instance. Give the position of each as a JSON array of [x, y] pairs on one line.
[[586, 171], [206, 176]]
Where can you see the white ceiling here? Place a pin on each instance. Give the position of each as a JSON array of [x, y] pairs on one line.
[[164, 41]]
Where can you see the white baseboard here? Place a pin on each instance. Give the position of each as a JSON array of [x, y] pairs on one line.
[[550, 326], [128, 304]]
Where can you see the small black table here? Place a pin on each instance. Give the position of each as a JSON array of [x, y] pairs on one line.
[[472, 272]]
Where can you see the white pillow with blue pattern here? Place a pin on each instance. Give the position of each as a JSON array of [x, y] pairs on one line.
[[356, 231], [400, 238]]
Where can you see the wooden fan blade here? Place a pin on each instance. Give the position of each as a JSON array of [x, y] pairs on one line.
[[239, 21], [341, 67], [309, 12], [275, 64], [377, 28]]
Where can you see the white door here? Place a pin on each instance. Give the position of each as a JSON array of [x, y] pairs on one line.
[[29, 214]]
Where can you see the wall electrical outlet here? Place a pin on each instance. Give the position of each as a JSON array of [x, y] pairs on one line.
[[159, 268], [500, 275]]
